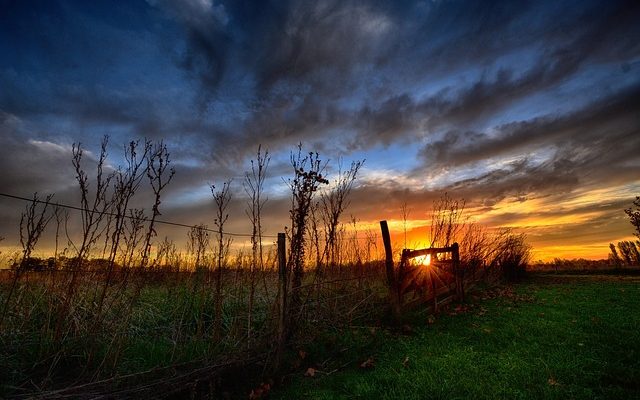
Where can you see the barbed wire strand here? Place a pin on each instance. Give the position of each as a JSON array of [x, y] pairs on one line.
[[158, 221], [374, 236]]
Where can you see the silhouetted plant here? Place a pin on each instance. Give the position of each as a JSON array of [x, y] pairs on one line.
[[221, 198], [126, 183], [198, 243], [133, 237], [254, 187], [404, 214], [305, 183], [314, 231], [93, 212], [476, 247], [333, 203], [167, 254], [446, 221], [159, 174], [512, 255], [33, 222]]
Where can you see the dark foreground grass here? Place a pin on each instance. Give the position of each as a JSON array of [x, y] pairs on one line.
[[567, 338]]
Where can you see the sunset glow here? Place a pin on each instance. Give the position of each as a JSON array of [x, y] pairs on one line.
[[423, 260], [538, 133]]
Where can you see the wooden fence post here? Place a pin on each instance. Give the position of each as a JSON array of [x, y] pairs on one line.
[[283, 306], [394, 295], [457, 268]]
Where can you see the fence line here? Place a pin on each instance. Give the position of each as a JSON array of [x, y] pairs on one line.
[[171, 223], [158, 221]]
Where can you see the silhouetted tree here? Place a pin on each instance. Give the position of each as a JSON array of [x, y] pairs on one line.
[[634, 215], [629, 252], [614, 257]]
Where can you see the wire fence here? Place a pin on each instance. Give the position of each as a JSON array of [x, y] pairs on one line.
[[373, 236], [350, 245], [144, 219], [229, 312]]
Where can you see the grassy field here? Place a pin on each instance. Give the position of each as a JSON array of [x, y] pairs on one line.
[[158, 325], [551, 337]]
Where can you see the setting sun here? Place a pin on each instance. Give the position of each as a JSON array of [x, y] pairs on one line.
[[423, 260]]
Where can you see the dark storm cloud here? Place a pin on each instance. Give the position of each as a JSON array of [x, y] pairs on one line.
[[306, 61], [206, 55], [602, 134], [344, 70]]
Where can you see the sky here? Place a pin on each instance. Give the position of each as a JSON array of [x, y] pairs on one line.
[[529, 111]]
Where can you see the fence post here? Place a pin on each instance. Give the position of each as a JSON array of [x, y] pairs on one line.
[[283, 278], [434, 291], [455, 258], [394, 295]]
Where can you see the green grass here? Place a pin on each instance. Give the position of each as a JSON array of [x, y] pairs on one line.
[[170, 322], [161, 330], [575, 339]]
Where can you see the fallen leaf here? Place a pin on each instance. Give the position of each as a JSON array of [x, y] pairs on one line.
[[302, 354], [311, 372], [431, 320], [260, 392], [405, 362], [368, 363], [552, 381]]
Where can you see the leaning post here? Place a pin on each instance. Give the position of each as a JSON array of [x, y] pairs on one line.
[[394, 295]]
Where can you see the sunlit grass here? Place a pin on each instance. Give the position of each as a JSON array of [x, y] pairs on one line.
[[572, 340]]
